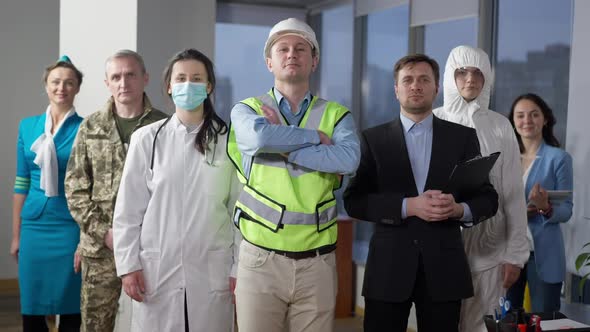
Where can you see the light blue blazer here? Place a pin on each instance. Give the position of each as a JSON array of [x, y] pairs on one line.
[[553, 170]]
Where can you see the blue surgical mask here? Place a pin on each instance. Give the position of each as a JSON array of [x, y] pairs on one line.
[[188, 95]]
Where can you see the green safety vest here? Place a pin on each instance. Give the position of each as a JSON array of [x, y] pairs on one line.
[[284, 206]]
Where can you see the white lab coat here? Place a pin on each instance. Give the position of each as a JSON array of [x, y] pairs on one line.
[[174, 224], [501, 239]]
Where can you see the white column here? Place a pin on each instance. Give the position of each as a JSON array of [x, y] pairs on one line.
[[90, 31]]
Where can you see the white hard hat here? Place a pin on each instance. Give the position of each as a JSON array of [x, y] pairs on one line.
[[291, 26]]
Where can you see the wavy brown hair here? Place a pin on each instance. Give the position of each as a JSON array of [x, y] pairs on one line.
[[547, 131]]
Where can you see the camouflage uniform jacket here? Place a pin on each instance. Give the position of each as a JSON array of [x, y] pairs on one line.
[[94, 173]]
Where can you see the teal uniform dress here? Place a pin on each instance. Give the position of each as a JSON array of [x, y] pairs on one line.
[[49, 235]]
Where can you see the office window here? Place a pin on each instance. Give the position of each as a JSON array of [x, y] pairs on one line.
[[534, 55], [441, 38], [386, 42], [336, 35], [336, 55], [240, 68], [386, 37]]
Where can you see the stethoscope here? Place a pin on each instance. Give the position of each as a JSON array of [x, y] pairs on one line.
[[209, 161]]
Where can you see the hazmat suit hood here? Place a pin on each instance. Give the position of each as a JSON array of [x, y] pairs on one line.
[[454, 104]]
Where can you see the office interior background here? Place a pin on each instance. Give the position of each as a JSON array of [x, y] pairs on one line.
[[539, 46]]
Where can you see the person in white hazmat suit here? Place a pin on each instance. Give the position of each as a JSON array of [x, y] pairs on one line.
[[175, 244], [498, 248]]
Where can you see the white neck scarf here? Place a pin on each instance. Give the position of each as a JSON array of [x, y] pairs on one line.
[[46, 157]]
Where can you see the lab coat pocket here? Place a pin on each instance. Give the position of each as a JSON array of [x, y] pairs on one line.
[[150, 263], [219, 265]]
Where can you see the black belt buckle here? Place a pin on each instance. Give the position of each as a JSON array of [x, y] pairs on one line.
[[306, 254], [299, 255]]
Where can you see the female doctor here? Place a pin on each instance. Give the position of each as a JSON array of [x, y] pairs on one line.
[[174, 241]]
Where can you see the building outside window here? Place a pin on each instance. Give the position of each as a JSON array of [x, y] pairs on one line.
[[441, 38], [386, 37], [534, 55]]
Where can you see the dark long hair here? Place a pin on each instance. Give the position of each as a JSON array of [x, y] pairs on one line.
[[213, 125], [547, 132]]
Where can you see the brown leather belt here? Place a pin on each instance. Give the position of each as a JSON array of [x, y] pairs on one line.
[[306, 254]]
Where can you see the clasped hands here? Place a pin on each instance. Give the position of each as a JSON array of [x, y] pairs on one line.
[[434, 206]]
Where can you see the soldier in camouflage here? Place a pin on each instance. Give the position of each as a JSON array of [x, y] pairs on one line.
[[92, 181]]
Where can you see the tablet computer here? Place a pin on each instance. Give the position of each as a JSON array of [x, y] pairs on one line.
[[559, 195]]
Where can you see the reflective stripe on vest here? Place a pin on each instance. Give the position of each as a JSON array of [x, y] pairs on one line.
[[272, 214]]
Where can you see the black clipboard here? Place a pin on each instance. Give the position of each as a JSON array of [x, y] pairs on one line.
[[469, 175]]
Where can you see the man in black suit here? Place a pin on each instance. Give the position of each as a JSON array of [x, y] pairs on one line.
[[416, 254]]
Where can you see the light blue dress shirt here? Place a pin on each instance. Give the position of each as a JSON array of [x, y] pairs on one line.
[[418, 136], [254, 134], [293, 118]]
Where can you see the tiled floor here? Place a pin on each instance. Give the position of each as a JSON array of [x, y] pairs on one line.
[[9, 314], [10, 318]]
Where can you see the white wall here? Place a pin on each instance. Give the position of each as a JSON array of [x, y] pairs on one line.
[[90, 31], [166, 27], [577, 231], [29, 39]]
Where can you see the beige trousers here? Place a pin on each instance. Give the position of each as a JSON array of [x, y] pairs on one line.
[[274, 292], [488, 289]]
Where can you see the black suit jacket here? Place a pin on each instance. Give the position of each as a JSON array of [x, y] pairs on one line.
[[383, 179]]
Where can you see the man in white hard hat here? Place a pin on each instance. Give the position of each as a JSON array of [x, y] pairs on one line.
[[290, 149]]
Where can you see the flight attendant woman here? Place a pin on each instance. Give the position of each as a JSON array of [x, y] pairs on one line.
[[45, 236]]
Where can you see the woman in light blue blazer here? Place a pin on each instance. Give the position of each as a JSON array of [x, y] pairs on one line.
[[44, 235], [545, 167]]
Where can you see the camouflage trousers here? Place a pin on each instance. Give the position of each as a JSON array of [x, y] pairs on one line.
[[99, 300]]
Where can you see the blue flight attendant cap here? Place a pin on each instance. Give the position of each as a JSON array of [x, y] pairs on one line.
[[64, 58]]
